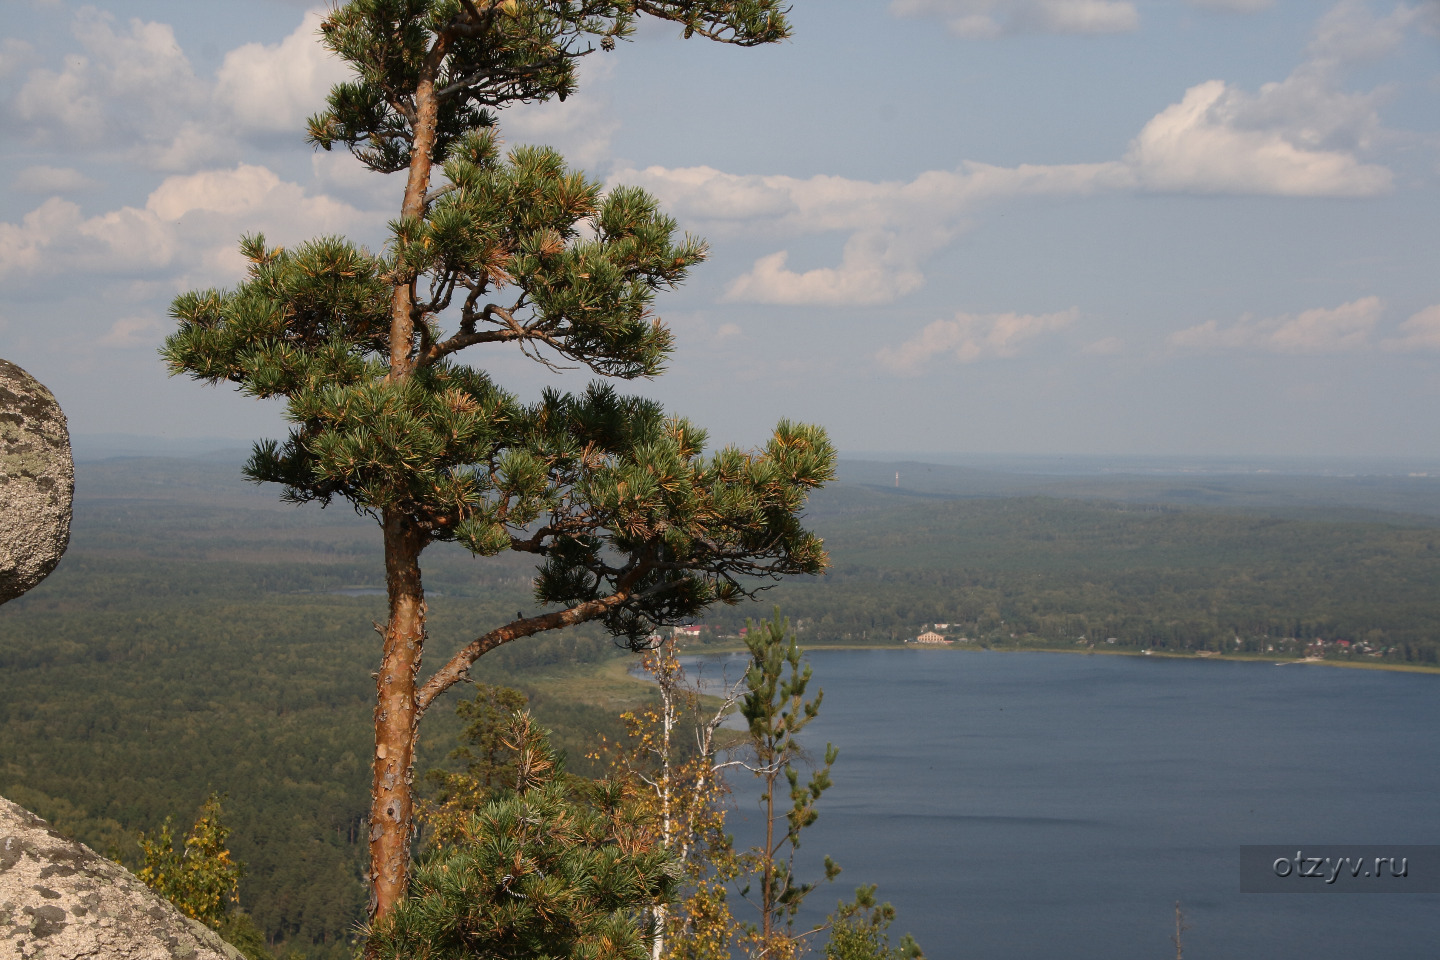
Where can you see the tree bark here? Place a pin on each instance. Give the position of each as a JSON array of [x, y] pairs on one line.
[[392, 816], [417, 182], [392, 806]]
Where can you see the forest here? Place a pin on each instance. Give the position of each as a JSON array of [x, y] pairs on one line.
[[1154, 576], [200, 636]]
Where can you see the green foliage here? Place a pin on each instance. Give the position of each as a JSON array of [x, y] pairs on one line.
[[858, 931], [490, 763], [448, 448], [775, 711], [1163, 577], [203, 880], [238, 929], [495, 52], [192, 610], [676, 778], [548, 869], [668, 812], [634, 527], [520, 250]]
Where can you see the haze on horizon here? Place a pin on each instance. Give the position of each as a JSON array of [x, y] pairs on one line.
[[1111, 227]]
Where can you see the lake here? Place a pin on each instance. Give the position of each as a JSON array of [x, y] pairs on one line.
[[1032, 805]]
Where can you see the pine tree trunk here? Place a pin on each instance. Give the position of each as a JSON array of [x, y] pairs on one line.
[[392, 813], [392, 819], [417, 182]]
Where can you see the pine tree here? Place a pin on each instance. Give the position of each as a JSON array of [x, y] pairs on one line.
[[551, 867], [633, 525], [775, 711], [490, 762], [858, 931]]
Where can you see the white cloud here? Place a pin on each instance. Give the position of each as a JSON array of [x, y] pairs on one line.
[[1105, 347], [697, 331], [275, 87], [52, 180], [131, 92], [871, 271], [716, 197], [786, 204], [15, 55], [1342, 329], [129, 86], [1234, 6], [971, 337], [186, 232], [339, 174], [1299, 137], [1350, 33], [1218, 140], [1420, 332], [129, 332], [895, 227], [216, 191], [984, 19], [23, 245]]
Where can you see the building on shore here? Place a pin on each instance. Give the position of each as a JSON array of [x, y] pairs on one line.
[[930, 636]]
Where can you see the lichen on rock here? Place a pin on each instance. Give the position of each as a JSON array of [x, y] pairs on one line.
[[37, 482], [60, 899]]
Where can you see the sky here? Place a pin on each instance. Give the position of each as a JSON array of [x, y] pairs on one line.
[[1099, 227]]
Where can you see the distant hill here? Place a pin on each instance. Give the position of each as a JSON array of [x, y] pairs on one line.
[[1352, 495]]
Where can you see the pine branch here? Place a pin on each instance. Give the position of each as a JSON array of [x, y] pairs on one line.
[[458, 667]]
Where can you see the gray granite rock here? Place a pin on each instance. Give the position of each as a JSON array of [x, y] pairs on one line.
[[37, 482], [59, 900]]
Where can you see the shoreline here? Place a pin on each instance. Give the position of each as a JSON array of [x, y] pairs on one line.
[[728, 648]]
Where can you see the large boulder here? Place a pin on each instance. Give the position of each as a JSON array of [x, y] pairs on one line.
[[60, 899], [37, 482]]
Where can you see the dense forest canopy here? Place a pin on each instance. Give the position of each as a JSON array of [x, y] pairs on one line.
[[144, 674]]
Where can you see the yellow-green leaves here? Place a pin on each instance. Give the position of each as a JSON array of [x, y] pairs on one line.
[[202, 879]]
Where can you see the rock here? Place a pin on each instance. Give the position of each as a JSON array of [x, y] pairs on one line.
[[37, 482], [60, 899]]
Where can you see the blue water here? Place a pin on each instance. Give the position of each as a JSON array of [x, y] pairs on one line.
[[1029, 805]]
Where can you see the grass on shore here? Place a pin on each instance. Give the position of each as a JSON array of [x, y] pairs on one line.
[[728, 647]]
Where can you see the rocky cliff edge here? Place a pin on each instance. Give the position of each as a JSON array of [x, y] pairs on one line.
[[60, 900]]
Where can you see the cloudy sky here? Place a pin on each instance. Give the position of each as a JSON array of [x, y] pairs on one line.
[[1108, 227]]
